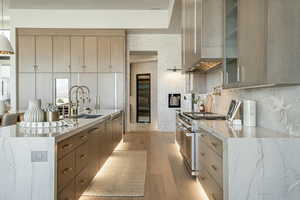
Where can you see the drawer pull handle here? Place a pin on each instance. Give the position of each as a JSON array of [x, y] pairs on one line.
[[82, 182], [83, 156], [83, 137], [214, 167], [213, 197], [203, 154], [67, 146], [66, 198], [67, 170], [202, 178], [214, 144]]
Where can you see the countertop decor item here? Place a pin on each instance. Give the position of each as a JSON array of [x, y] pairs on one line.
[[249, 113], [51, 112], [34, 112]]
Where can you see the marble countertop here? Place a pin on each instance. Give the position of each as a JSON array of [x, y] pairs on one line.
[[223, 130], [58, 133]]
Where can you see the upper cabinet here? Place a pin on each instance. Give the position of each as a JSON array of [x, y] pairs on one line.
[[202, 31], [61, 54], [63, 50], [111, 54], [35, 53], [261, 43]]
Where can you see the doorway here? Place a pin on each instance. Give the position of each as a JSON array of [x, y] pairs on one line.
[[142, 101], [143, 98]]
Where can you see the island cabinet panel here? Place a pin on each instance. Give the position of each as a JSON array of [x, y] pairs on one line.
[[81, 156], [26, 51], [61, 53]]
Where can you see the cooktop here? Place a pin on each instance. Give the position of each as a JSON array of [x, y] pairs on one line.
[[204, 116]]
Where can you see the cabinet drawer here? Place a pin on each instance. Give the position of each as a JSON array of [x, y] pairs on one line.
[[213, 142], [213, 191], [81, 138], [211, 162], [68, 193], [66, 170], [82, 182], [82, 158], [65, 147]]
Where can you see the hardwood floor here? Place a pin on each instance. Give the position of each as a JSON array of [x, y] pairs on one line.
[[166, 178]]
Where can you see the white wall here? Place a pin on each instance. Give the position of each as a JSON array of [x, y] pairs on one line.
[[144, 68], [168, 47]]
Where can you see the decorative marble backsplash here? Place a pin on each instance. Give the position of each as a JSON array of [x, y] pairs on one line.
[[277, 108]]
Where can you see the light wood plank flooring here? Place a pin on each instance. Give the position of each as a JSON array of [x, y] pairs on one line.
[[166, 178]]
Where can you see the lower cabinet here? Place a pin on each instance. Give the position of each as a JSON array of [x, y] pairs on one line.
[[211, 164], [81, 156]]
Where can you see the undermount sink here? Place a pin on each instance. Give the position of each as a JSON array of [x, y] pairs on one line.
[[87, 116]]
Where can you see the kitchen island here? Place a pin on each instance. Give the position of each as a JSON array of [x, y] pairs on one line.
[[247, 162], [56, 163]]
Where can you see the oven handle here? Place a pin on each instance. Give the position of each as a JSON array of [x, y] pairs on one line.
[[189, 134]]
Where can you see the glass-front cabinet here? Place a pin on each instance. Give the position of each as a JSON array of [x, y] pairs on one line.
[[231, 62]]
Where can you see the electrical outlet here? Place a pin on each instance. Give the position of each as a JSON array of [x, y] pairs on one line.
[[39, 156]]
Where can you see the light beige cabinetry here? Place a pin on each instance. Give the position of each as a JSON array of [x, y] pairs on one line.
[[35, 53], [82, 56], [111, 54], [261, 47], [61, 54]]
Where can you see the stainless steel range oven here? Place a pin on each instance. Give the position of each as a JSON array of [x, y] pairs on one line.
[[188, 143]]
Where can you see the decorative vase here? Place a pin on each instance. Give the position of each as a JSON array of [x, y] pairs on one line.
[[34, 112]]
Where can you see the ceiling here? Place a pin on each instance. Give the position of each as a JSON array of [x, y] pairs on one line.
[[91, 4]]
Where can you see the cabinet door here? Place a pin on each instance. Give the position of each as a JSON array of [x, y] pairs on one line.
[[184, 34], [252, 41], [90, 54], [104, 54], [25, 90], [120, 90], [212, 28], [26, 51], [61, 53], [44, 91], [77, 54], [107, 90], [44, 53], [117, 51], [283, 41]]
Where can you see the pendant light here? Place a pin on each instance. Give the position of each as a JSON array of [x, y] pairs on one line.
[[5, 46]]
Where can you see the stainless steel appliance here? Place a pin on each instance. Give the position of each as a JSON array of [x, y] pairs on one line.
[[188, 142], [188, 139], [187, 102]]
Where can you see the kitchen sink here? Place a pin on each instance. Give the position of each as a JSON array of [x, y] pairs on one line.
[[87, 116]]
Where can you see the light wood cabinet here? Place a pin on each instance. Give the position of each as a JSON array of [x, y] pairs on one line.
[[90, 54], [263, 51], [26, 51], [61, 54], [44, 53], [211, 35], [111, 54], [77, 57], [81, 156], [252, 40]]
